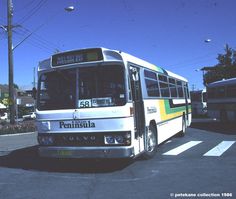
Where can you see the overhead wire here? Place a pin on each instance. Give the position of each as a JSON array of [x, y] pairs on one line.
[[36, 41], [33, 36], [25, 6], [41, 43], [40, 39], [3, 32], [35, 44], [32, 12]]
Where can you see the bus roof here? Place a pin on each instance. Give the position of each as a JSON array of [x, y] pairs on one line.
[[100, 54], [223, 82]]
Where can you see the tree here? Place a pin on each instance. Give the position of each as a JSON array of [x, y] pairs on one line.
[[15, 86], [7, 102], [225, 69]]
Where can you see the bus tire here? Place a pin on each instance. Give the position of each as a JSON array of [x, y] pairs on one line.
[[150, 143], [184, 127]]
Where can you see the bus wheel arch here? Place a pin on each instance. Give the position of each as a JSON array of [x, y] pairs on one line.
[[150, 141]]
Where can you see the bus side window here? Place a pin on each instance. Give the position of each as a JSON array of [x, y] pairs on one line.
[[164, 86], [150, 75], [180, 89], [152, 88], [164, 89], [151, 84], [173, 89], [186, 90]]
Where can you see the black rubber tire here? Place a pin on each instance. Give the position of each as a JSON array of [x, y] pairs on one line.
[[150, 143]]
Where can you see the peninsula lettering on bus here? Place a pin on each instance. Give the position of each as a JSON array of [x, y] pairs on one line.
[[75, 125]]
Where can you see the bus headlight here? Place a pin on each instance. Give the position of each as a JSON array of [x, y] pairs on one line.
[[45, 139], [118, 139], [109, 139]]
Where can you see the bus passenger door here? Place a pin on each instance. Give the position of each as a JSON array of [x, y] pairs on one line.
[[186, 96], [136, 92]]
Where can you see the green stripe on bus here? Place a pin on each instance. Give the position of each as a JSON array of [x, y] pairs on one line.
[[170, 110]]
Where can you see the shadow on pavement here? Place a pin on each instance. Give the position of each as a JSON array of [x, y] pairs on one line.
[[214, 126], [28, 159]]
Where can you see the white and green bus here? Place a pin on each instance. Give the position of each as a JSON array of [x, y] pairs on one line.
[[102, 103]]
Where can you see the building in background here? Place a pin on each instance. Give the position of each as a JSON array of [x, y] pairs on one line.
[[25, 102]]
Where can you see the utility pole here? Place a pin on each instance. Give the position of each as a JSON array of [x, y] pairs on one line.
[[8, 28], [10, 62]]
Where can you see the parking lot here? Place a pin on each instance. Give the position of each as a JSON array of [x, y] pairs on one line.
[[184, 167]]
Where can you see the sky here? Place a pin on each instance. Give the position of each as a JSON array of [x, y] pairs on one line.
[[168, 33]]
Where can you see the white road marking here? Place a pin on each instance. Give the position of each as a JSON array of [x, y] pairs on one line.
[[220, 148], [16, 134], [182, 148]]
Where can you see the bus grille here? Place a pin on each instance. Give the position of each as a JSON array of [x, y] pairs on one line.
[[79, 139]]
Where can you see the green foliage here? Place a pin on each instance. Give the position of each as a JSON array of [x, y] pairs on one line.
[[225, 69], [15, 86], [22, 110], [6, 102]]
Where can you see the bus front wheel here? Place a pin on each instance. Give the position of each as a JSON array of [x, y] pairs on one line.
[[150, 143]]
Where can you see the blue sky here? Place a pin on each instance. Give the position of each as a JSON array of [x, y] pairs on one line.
[[167, 33]]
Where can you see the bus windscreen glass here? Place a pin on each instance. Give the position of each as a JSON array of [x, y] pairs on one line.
[[98, 86]]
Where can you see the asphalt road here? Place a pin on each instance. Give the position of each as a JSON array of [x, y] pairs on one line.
[[200, 165]]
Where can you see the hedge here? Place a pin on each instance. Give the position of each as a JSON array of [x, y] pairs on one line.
[[6, 128]]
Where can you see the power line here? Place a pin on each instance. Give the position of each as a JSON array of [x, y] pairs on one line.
[[21, 35], [34, 42], [33, 11], [39, 39], [3, 32], [23, 7]]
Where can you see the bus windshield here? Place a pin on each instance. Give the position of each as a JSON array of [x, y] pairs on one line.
[[98, 86]]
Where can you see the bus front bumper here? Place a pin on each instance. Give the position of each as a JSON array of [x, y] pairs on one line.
[[86, 152]]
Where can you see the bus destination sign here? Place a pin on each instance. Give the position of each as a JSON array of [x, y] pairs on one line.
[[78, 56]]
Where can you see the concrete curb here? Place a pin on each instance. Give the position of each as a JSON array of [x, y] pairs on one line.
[[12, 142]]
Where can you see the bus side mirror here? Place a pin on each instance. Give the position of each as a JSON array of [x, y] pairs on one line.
[[34, 93], [134, 74]]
